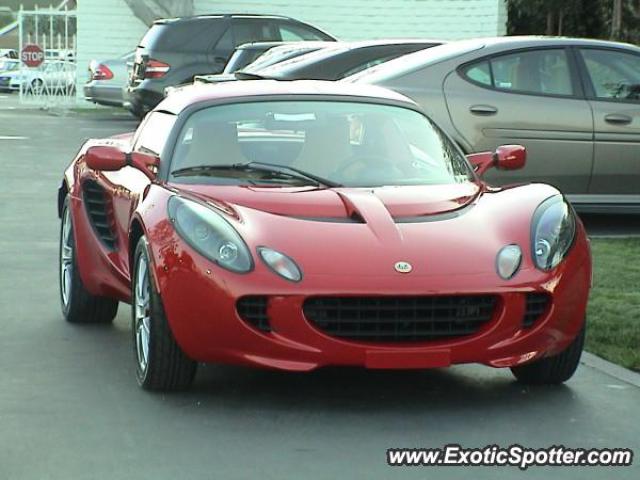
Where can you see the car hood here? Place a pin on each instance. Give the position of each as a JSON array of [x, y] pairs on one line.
[[439, 230], [342, 204]]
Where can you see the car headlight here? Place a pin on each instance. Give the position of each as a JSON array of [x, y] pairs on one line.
[[280, 264], [508, 261], [210, 234], [553, 230]]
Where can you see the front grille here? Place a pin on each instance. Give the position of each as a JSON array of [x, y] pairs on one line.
[[400, 319], [536, 305], [253, 310], [100, 212]]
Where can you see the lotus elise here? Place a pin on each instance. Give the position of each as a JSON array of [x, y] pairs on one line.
[[295, 225]]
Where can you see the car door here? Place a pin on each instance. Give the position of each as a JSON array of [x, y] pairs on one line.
[[612, 78], [531, 97], [51, 75], [125, 187]]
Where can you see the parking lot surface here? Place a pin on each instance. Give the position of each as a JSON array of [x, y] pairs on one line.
[[70, 407]]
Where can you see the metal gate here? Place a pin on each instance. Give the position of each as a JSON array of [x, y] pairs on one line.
[[47, 52]]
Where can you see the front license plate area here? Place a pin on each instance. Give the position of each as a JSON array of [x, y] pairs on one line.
[[408, 359]]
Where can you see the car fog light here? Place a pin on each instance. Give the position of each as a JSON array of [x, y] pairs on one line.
[[508, 261], [280, 264]]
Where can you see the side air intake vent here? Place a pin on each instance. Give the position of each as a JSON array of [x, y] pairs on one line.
[[536, 305], [100, 212], [253, 310]]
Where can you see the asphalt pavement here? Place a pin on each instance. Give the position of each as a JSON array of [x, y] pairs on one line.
[[70, 407]]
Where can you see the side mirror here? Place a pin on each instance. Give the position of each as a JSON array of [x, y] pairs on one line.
[[105, 158], [108, 158], [147, 164], [506, 157], [510, 157]]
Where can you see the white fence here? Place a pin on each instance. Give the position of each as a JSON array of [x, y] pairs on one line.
[[53, 82]]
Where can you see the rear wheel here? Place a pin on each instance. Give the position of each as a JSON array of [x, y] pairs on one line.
[[37, 86], [78, 305], [553, 370], [160, 362]]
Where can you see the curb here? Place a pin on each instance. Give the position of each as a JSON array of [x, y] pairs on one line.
[[611, 369]]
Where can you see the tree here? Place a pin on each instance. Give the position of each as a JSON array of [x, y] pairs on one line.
[[612, 19]]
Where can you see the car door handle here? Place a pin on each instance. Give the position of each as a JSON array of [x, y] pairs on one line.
[[618, 119], [483, 110]]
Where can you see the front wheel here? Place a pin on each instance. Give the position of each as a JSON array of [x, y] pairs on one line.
[[78, 305], [553, 370], [160, 362]]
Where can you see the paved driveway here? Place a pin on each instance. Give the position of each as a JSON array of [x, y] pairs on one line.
[[69, 406]]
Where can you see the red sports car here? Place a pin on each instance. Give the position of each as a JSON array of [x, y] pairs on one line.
[[294, 225]]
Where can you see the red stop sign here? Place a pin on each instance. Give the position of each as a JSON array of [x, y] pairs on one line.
[[32, 55]]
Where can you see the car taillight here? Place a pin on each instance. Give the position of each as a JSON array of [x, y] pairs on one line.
[[155, 69], [102, 72]]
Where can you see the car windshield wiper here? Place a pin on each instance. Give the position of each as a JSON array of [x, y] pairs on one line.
[[256, 166]]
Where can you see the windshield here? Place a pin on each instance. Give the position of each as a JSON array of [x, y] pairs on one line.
[[344, 143], [241, 58], [294, 65], [8, 65], [277, 55], [414, 61]]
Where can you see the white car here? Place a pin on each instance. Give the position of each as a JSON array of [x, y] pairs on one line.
[[52, 78]]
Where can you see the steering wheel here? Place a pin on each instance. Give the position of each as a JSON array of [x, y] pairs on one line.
[[365, 161]]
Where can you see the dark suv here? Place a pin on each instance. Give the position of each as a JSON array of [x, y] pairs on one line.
[[173, 51]]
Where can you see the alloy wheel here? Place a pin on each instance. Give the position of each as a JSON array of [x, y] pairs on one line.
[[66, 257], [142, 307]]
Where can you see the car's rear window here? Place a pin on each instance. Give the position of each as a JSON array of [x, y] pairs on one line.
[[414, 61], [152, 35], [198, 34]]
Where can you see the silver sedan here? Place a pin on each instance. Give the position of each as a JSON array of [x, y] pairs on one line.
[[574, 104], [107, 79]]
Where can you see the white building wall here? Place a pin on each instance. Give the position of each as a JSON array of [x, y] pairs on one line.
[[108, 28], [365, 19]]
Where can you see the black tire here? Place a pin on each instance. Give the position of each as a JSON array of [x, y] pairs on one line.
[[137, 112], [166, 367], [553, 370], [78, 305]]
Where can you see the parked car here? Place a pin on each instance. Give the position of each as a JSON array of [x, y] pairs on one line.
[[338, 61], [7, 66], [293, 225], [52, 78], [273, 52], [107, 79], [284, 52], [572, 103], [173, 51]]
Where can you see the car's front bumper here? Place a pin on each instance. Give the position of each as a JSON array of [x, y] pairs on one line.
[[200, 302]]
